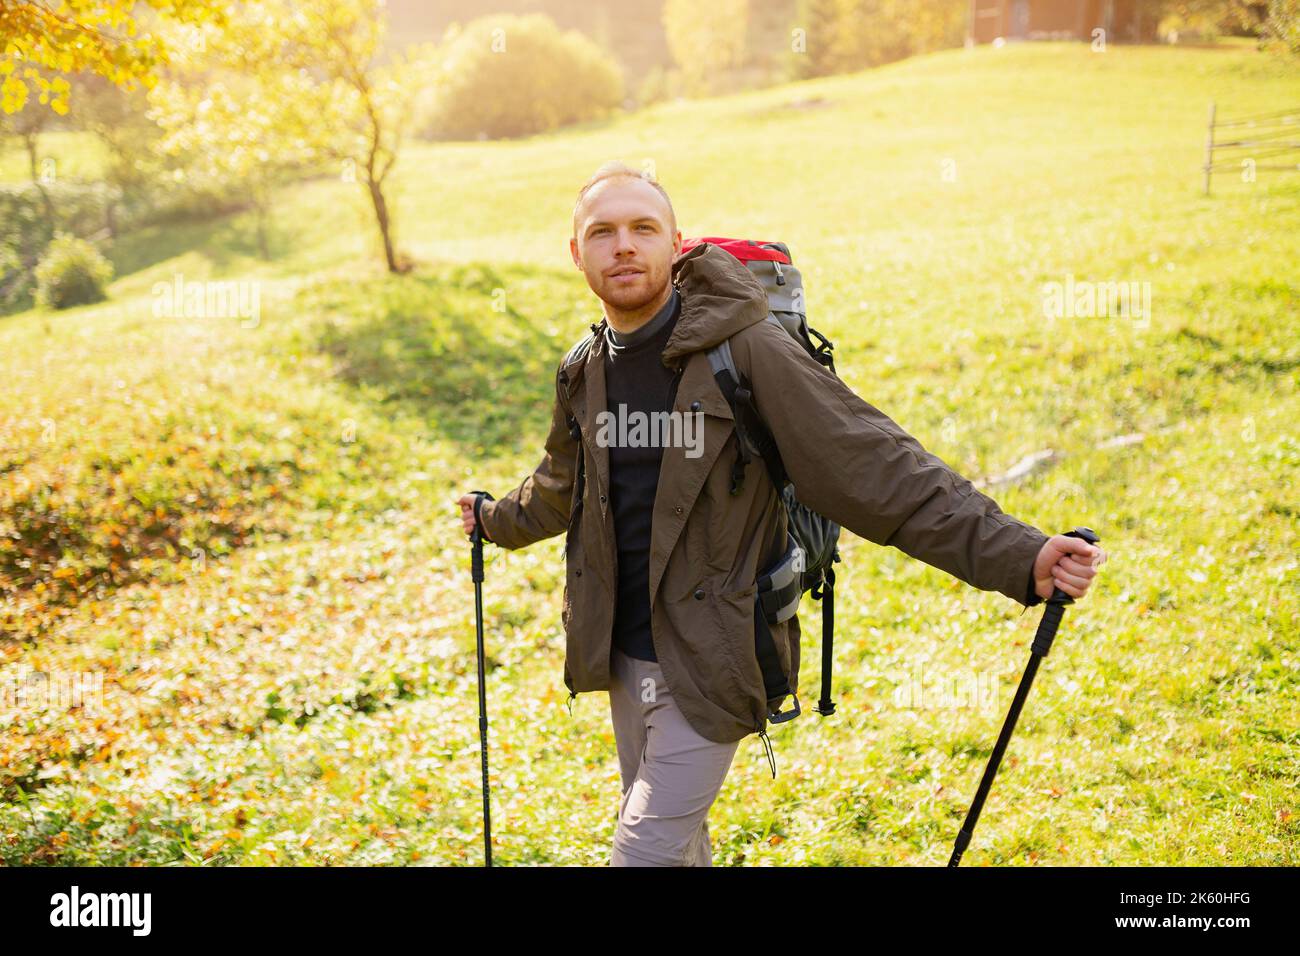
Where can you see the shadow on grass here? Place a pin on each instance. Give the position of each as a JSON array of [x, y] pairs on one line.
[[223, 241], [468, 350]]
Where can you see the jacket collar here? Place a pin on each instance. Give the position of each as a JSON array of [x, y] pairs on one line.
[[720, 296]]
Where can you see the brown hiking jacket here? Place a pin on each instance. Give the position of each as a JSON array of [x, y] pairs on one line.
[[846, 459]]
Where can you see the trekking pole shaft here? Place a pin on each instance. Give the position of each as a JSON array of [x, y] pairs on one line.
[[477, 573], [995, 760], [1046, 633]]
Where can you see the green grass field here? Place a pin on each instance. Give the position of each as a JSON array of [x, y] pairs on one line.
[[247, 530]]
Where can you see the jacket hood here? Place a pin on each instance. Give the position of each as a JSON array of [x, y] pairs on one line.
[[720, 296]]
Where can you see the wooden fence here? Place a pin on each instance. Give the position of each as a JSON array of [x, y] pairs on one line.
[[1274, 137]]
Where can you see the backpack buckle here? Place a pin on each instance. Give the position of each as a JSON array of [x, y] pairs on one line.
[[779, 718]]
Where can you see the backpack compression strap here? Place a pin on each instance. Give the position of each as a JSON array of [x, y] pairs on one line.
[[826, 706]]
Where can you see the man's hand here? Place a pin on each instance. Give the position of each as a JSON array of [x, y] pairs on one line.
[[466, 503], [1067, 563]]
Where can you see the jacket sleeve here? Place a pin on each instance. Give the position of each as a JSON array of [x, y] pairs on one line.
[[852, 463], [539, 507]]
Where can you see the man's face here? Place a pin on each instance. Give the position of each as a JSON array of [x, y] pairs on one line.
[[625, 243]]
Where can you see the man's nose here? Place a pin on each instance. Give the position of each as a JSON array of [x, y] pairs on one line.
[[625, 246]]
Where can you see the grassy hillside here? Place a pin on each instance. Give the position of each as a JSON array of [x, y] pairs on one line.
[[247, 528]]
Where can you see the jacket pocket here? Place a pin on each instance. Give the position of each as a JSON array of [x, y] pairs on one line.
[[760, 651], [734, 613]]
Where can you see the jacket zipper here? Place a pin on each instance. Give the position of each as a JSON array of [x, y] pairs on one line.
[[580, 489], [672, 400]]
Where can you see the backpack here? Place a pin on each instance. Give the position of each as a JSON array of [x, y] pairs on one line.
[[814, 536]]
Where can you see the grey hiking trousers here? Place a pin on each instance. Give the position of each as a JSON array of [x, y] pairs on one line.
[[670, 774]]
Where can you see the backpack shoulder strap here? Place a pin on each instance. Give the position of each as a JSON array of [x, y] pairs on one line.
[[721, 359], [752, 436], [722, 362]]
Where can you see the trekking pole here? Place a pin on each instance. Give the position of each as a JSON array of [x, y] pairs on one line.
[[1042, 644], [476, 572]]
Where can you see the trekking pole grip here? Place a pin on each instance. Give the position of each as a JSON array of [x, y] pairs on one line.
[[1057, 603], [476, 537]]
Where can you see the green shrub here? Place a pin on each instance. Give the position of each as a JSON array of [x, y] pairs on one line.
[[71, 272], [507, 76], [1282, 29], [26, 228]]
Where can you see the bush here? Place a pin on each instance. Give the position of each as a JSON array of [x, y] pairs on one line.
[[26, 228], [72, 272], [1282, 29], [507, 76]]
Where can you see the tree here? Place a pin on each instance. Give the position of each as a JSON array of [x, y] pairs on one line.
[[106, 37], [235, 132], [27, 127], [1206, 17], [1282, 29], [706, 39], [818, 21], [283, 85], [847, 35], [119, 119], [367, 107]]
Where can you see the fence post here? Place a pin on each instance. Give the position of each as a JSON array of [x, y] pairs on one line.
[[1209, 149]]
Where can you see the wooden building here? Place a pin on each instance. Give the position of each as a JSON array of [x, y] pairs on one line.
[[1123, 20]]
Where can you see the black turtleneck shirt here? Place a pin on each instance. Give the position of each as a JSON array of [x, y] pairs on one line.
[[636, 377]]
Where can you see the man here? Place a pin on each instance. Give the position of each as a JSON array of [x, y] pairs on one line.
[[662, 559]]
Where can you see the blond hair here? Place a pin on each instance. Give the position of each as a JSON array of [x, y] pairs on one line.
[[620, 170]]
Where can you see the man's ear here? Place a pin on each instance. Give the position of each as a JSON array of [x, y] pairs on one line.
[[573, 251]]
